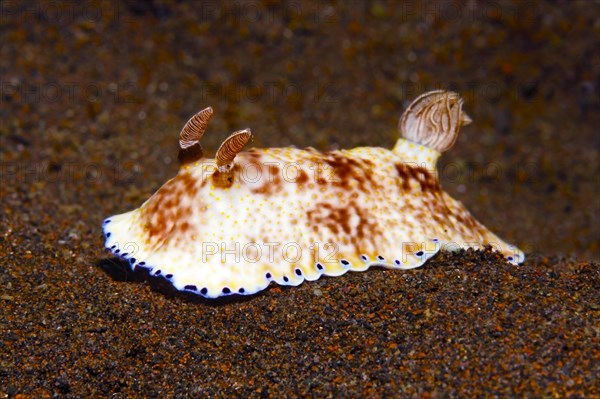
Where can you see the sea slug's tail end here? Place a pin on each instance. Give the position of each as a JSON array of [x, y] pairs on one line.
[[514, 255], [434, 120]]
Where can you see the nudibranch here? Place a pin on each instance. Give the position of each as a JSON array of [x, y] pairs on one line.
[[235, 223]]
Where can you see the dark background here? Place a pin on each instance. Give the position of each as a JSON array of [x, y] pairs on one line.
[[93, 96]]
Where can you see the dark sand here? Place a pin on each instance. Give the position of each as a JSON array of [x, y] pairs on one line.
[[93, 97]]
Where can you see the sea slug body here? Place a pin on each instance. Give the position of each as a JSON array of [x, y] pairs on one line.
[[234, 224]]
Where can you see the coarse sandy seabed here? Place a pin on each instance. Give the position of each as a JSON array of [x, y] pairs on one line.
[[93, 96]]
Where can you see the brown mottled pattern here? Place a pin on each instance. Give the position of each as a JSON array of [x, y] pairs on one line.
[[273, 184], [302, 177], [165, 215], [337, 218], [165, 212], [348, 168], [407, 173]]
